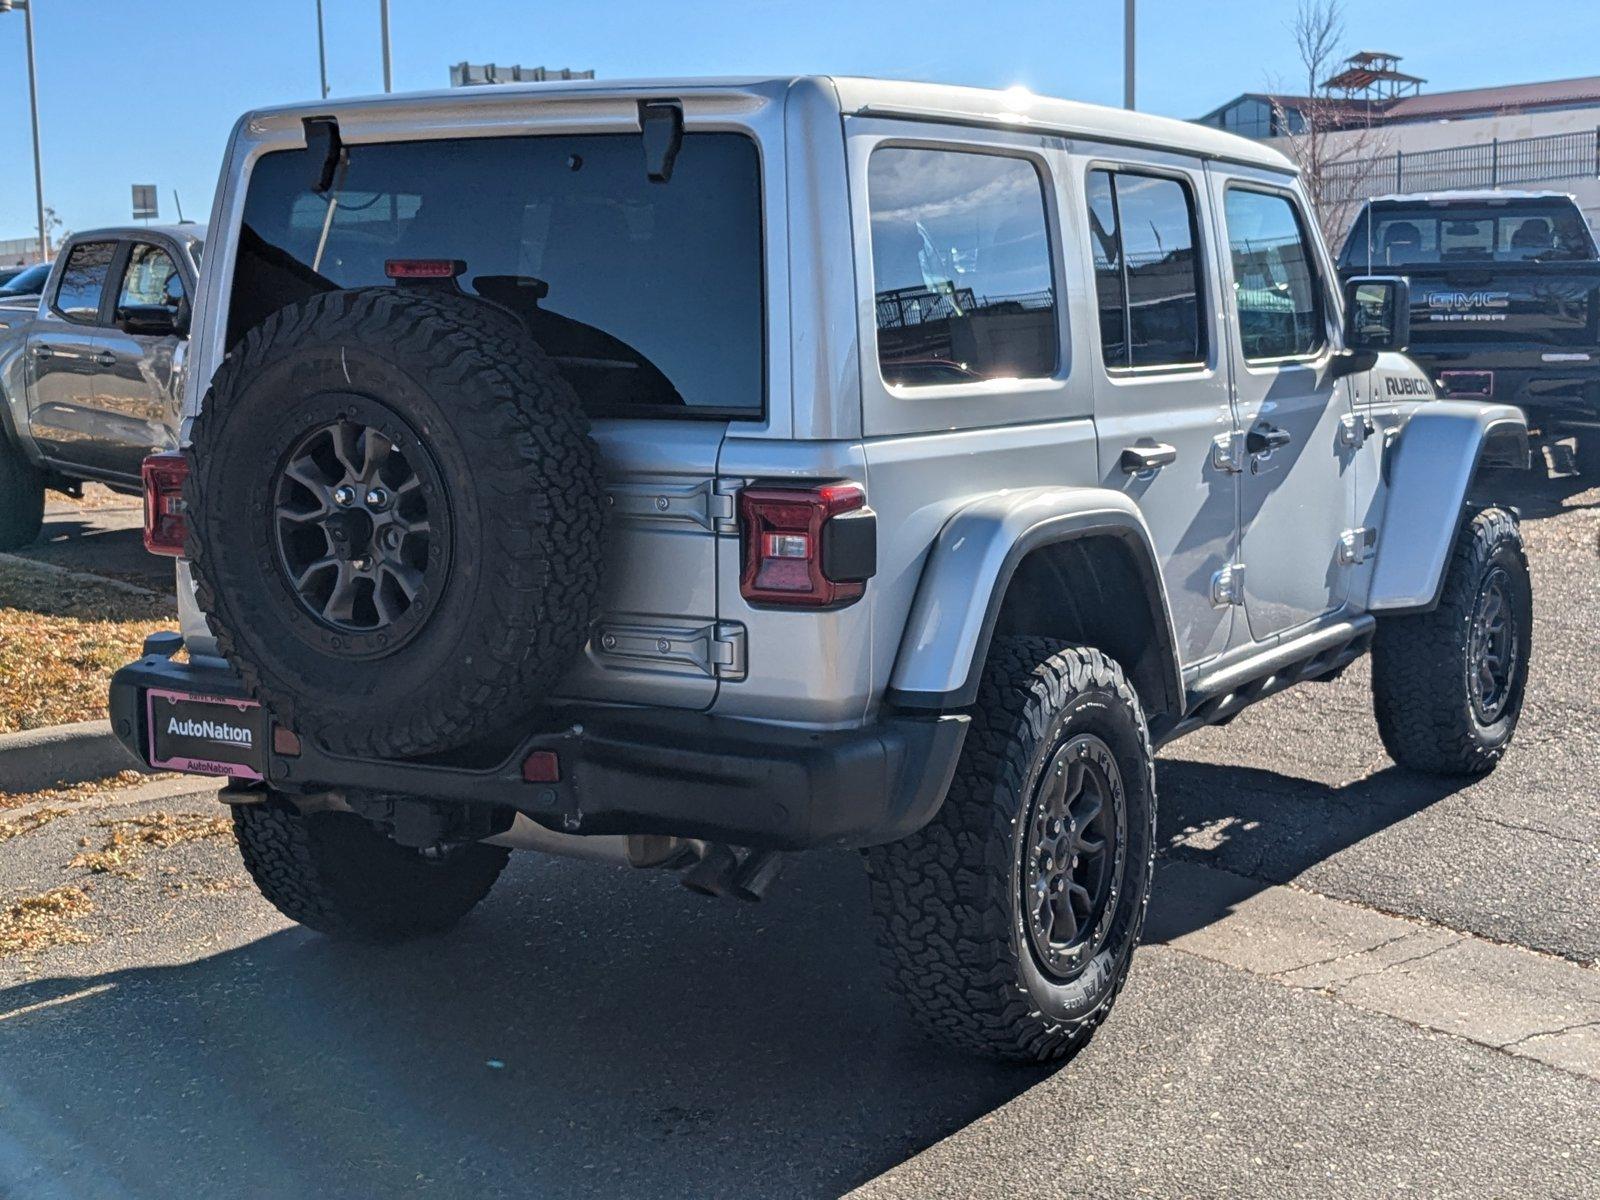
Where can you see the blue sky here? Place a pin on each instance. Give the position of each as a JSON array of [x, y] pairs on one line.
[[146, 92]]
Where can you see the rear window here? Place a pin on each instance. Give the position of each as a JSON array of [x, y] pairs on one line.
[[648, 295], [1422, 234]]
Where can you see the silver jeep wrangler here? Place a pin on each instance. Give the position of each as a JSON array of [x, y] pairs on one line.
[[686, 473]]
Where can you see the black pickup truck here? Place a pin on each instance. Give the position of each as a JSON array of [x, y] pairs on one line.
[[1505, 299]]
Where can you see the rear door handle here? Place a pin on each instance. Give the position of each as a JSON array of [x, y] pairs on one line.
[[44, 351], [1136, 460], [106, 359], [1266, 437]]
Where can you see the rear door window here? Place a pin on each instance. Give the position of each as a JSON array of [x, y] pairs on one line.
[[1147, 272], [83, 281], [961, 267], [649, 296]]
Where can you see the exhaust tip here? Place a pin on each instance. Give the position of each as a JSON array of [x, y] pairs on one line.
[[713, 874], [756, 875]]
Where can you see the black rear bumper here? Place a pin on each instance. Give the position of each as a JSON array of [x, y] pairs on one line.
[[746, 783], [1562, 392]]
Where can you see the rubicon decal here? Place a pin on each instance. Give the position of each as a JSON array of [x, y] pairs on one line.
[[211, 731], [1405, 385]]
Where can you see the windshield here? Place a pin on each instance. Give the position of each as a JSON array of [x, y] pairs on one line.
[[29, 283], [648, 295], [1454, 232]]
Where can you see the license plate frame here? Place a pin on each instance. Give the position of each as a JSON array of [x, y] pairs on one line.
[[220, 735]]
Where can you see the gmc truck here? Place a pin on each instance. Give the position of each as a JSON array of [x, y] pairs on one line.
[[1505, 300], [91, 368]]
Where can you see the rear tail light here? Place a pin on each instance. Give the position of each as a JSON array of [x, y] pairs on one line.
[[423, 268], [807, 547], [165, 521]]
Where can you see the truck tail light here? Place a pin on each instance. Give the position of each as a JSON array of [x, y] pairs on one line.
[[166, 522], [807, 547]]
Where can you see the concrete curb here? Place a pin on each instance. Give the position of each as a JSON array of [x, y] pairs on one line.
[[61, 755]]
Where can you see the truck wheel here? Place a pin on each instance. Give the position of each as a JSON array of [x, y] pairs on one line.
[[1008, 922], [396, 520], [1447, 685], [337, 874], [21, 498]]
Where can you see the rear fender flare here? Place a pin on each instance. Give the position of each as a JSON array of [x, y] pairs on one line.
[[970, 566]]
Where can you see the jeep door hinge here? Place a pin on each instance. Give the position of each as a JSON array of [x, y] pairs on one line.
[[1356, 545], [1227, 451], [1227, 586], [1355, 429]]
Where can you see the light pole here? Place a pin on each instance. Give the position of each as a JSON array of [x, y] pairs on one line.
[[1127, 53], [33, 104], [383, 23], [322, 51]]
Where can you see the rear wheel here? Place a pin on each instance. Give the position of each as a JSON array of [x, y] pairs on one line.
[[21, 498], [1448, 684], [1009, 922], [336, 873]]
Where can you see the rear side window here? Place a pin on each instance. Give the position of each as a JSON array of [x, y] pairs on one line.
[[961, 267], [83, 280], [1275, 285], [1146, 270], [649, 296]]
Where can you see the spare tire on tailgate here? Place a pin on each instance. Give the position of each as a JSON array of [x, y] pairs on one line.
[[395, 519]]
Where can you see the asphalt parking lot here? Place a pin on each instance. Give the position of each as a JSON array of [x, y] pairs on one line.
[[103, 534], [1356, 982]]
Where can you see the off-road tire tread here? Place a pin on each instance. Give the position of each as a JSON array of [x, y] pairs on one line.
[[942, 898], [1418, 662], [333, 873], [521, 421]]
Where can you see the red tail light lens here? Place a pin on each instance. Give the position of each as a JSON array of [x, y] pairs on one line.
[[808, 547], [423, 268], [165, 521]]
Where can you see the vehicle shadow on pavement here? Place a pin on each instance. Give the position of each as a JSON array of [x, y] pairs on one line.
[[1267, 828], [588, 1031]]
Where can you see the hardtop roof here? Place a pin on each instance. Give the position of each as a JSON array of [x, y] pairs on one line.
[[1015, 108]]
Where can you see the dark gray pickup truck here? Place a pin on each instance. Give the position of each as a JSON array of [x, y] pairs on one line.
[[91, 369], [1505, 300]]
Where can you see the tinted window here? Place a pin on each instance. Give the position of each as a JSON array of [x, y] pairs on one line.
[[1147, 273], [83, 280], [1419, 234], [29, 282], [647, 295], [961, 267], [150, 272], [1274, 283]]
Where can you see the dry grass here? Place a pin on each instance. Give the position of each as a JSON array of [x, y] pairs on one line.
[[60, 641], [95, 497], [131, 836], [36, 923]]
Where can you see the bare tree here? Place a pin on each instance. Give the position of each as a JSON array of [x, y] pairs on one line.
[[1332, 141]]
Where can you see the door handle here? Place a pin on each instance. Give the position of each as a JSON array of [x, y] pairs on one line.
[[1136, 460], [1266, 437], [106, 359], [44, 352]]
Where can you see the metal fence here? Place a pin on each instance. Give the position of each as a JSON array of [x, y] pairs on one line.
[[1497, 163]]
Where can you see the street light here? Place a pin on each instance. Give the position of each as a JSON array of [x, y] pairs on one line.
[[33, 103], [322, 51], [1127, 53], [383, 22]]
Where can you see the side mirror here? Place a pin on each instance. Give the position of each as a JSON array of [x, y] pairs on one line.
[[1377, 313], [152, 320]]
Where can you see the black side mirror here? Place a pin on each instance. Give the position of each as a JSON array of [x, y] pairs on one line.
[[152, 320], [1377, 313]]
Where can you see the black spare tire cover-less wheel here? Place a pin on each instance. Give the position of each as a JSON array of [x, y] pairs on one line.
[[395, 519]]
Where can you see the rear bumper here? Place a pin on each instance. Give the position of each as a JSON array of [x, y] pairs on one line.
[[746, 783], [1557, 389]]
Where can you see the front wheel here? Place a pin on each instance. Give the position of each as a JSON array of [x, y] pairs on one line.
[[1008, 923], [338, 874], [1448, 685], [21, 498]]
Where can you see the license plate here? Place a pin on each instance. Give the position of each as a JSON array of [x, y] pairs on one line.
[[205, 735]]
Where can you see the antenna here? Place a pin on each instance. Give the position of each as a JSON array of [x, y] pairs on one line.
[[178, 204]]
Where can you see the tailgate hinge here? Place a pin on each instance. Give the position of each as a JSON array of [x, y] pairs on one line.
[[717, 649], [705, 504]]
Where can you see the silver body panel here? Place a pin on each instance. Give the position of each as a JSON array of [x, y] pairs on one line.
[[956, 473]]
